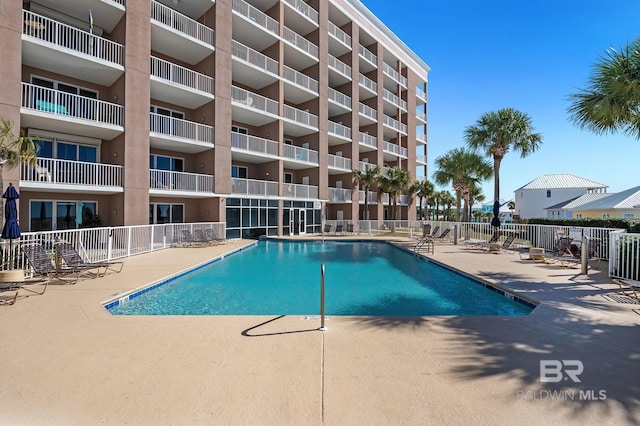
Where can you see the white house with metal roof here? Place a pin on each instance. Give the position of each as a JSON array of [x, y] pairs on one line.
[[534, 198]]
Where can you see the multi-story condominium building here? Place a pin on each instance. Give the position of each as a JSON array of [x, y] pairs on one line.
[[249, 112]]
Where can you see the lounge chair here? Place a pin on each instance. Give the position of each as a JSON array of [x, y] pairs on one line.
[[72, 258], [434, 234], [20, 284], [479, 244], [536, 254], [210, 235], [189, 240], [40, 262], [350, 228], [629, 285], [327, 228], [443, 235], [339, 229]]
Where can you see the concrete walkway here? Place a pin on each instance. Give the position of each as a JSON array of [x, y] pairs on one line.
[[65, 360]]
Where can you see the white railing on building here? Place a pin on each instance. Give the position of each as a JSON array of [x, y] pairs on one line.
[[300, 42], [263, 188], [179, 128], [339, 98], [367, 83], [421, 94], [253, 57], [299, 116], [293, 190], [300, 79], [422, 116], [304, 9], [339, 195], [372, 196], [337, 162], [68, 105], [421, 158], [180, 75], [367, 111], [72, 38], [395, 75], [394, 124], [181, 23], [338, 34], [180, 181], [254, 144], [300, 154], [421, 137], [368, 55], [395, 149], [253, 100], [256, 16], [67, 172], [394, 99], [339, 130], [363, 166], [339, 66], [368, 140]]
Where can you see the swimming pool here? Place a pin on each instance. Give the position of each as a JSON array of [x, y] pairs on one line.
[[278, 277]]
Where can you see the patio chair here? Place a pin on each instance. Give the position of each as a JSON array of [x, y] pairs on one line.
[[211, 235], [40, 262], [434, 234], [327, 228], [188, 240], [506, 244], [339, 229], [629, 285], [444, 235], [536, 254], [72, 258], [20, 284], [350, 228], [479, 244]]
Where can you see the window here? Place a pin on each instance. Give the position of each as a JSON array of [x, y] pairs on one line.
[[288, 142], [606, 216], [241, 130], [161, 162], [166, 213], [239, 172], [41, 214], [288, 177], [548, 193], [65, 150], [628, 216], [579, 216]]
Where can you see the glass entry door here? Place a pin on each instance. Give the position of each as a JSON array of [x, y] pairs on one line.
[[297, 222]]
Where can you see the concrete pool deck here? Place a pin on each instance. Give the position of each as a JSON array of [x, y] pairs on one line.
[[65, 360]]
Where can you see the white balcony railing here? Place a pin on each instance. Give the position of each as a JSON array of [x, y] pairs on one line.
[[367, 111], [363, 166], [337, 162], [253, 100], [339, 66], [339, 195], [180, 75], [256, 16], [67, 105], [178, 128], [422, 116], [182, 23], [421, 137], [372, 196], [368, 140], [394, 124], [367, 83], [300, 79], [263, 188], [67, 172], [339, 98], [368, 55], [180, 181], [395, 75], [339, 35], [255, 58], [300, 42], [395, 149], [299, 116], [394, 99], [339, 130], [254, 144], [292, 190], [421, 158], [72, 38], [420, 94], [300, 154], [304, 9]]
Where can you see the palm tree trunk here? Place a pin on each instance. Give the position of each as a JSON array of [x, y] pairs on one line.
[[459, 205], [496, 178], [366, 203]]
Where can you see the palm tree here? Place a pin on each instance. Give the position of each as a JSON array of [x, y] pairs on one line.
[[14, 150], [367, 178], [498, 131], [611, 101], [423, 189], [475, 194], [446, 199], [461, 168], [399, 180]]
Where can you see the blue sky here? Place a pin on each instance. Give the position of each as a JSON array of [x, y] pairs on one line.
[[529, 55]]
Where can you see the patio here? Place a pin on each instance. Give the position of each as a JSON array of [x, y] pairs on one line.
[[66, 360]]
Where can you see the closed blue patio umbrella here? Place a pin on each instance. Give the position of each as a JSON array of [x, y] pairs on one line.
[[11, 229]]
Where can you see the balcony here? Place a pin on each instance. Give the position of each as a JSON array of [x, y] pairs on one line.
[[390, 72], [292, 190], [298, 158], [262, 188], [254, 27], [339, 41], [368, 115], [53, 175], [394, 149], [368, 87], [394, 124], [421, 96], [393, 102], [370, 143], [66, 50], [340, 73], [421, 116], [337, 163], [249, 107], [165, 183], [252, 149], [298, 122], [44, 108], [372, 197], [298, 88], [178, 85], [363, 166], [338, 133], [339, 103], [179, 135], [299, 14], [421, 137], [252, 68], [339, 195], [179, 36], [370, 62], [299, 51], [421, 159]]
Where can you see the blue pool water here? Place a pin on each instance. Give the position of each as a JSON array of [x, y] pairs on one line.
[[283, 278]]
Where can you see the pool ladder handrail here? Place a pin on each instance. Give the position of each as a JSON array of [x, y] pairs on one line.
[[322, 315], [425, 243]]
